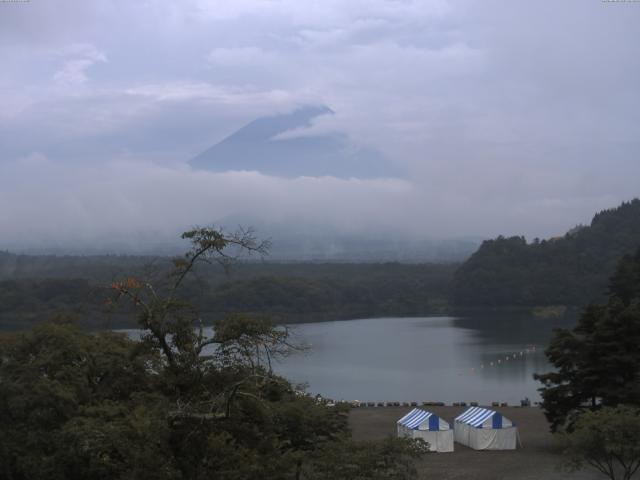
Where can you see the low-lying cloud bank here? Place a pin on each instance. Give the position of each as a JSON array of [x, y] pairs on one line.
[[48, 205], [133, 206]]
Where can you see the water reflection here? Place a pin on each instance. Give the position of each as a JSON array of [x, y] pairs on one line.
[[483, 358], [501, 327], [431, 358]]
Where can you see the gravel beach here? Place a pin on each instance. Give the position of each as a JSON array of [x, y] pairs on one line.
[[539, 456]]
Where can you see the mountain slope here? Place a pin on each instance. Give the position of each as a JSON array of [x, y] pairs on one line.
[[570, 270], [257, 146]]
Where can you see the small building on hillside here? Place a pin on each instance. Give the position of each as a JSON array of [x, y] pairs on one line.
[[483, 429], [429, 427]]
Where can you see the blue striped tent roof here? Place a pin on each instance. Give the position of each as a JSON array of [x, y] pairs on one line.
[[417, 417], [476, 416]]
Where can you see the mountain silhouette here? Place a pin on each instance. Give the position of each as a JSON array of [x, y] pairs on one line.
[[256, 146]]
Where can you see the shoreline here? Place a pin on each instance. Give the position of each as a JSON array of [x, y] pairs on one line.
[[539, 457], [97, 320]]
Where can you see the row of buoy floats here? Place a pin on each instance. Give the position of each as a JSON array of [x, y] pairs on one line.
[[358, 404], [502, 360]]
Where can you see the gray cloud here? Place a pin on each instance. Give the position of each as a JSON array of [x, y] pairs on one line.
[[79, 58], [509, 116]]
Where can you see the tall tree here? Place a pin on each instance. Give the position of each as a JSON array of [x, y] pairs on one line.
[[178, 403], [598, 362]]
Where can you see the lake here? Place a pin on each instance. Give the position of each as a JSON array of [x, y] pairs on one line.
[[481, 358]]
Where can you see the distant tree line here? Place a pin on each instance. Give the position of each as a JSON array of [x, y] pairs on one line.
[[505, 272], [387, 290], [287, 292]]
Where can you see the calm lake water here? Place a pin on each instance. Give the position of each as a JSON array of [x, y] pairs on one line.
[[432, 358], [483, 358]]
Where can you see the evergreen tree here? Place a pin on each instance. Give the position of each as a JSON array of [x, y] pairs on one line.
[[598, 362]]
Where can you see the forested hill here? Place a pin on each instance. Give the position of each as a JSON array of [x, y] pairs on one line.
[[570, 270]]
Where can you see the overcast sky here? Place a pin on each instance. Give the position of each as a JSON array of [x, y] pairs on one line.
[[509, 117]]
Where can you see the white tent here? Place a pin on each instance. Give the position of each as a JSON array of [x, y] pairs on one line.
[[484, 429], [432, 429]]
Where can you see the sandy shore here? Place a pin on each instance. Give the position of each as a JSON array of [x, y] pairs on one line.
[[538, 458]]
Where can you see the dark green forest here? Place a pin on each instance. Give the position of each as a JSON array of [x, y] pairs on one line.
[[570, 270], [505, 272], [39, 287]]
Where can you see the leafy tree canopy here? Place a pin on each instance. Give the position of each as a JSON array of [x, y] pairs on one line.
[[176, 404], [607, 440]]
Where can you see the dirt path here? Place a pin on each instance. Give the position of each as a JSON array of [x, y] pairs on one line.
[[538, 459]]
